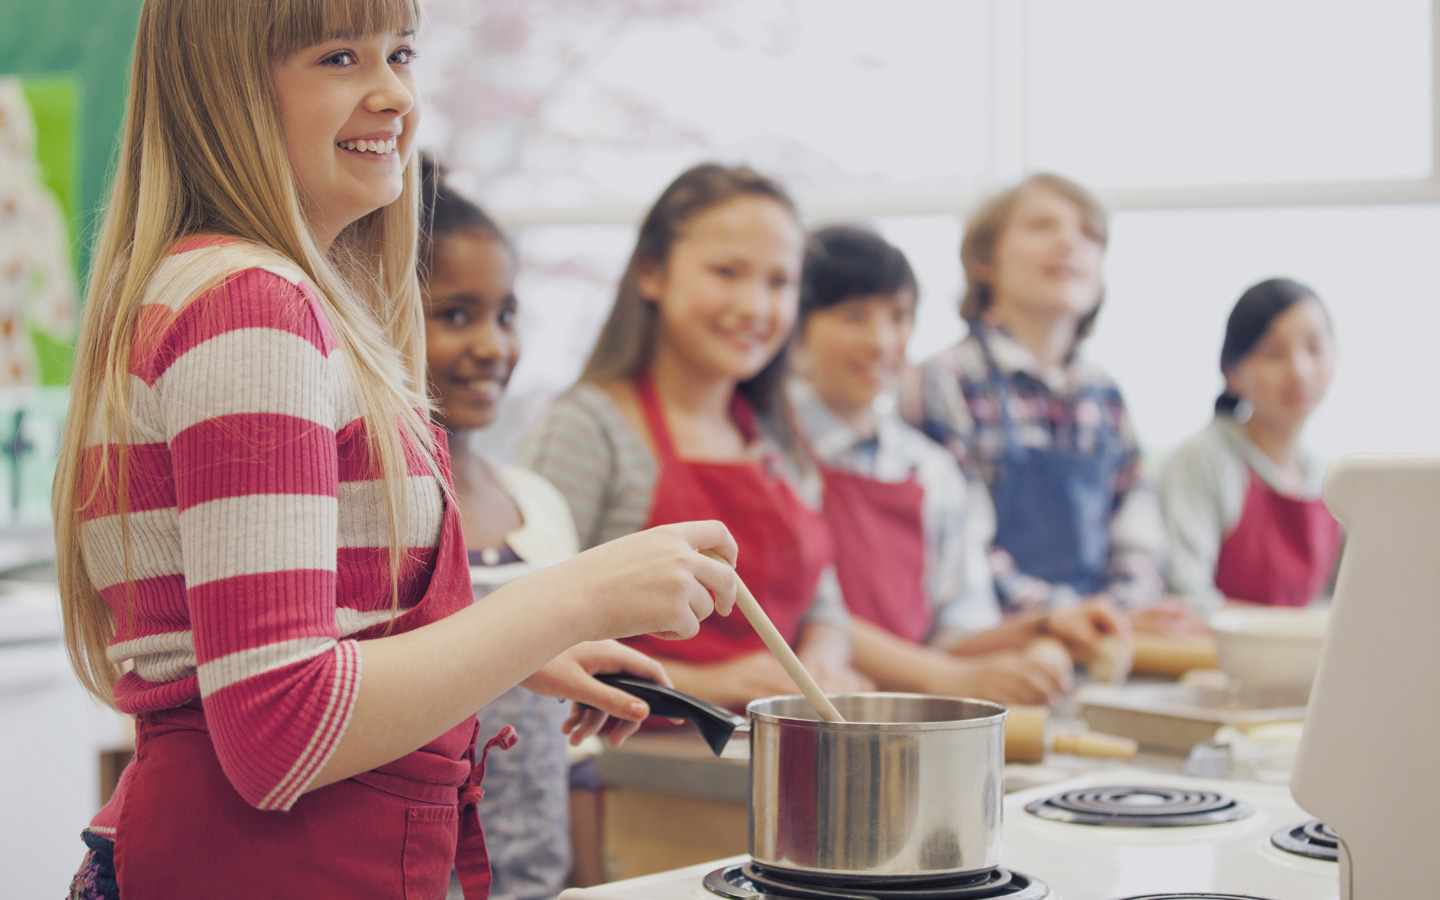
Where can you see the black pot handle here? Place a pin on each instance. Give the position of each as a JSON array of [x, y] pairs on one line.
[[715, 723]]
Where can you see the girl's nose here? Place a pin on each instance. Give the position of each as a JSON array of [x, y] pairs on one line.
[[389, 94], [880, 335], [485, 343], [751, 299]]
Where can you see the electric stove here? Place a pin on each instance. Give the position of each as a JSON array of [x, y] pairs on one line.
[[1117, 834]]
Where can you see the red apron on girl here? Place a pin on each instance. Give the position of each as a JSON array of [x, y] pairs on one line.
[[392, 832], [879, 534], [1282, 550], [783, 543]]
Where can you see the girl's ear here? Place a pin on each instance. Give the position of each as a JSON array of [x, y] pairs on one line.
[[985, 274], [650, 281], [1236, 383]]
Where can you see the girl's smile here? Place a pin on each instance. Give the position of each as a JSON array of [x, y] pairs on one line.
[[853, 351], [377, 145], [728, 294], [471, 345], [348, 111], [1289, 372]]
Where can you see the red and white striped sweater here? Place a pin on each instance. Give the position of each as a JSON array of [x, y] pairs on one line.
[[258, 529]]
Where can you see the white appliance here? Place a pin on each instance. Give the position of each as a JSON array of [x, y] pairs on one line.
[[1367, 762], [1366, 765], [1105, 862]]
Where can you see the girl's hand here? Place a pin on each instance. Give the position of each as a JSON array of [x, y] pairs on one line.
[[653, 582], [1171, 617], [571, 676], [1084, 628], [1009, 677]]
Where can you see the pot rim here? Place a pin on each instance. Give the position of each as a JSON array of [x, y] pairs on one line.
[[995, 716]]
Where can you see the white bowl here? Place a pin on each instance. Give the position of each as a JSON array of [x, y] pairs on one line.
[[1270, 647]]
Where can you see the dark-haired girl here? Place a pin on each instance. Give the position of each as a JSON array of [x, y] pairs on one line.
[[681, 412], [514, 523], [1242, 498]]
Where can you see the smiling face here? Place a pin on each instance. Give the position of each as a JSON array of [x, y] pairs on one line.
[[348, 111], [1046, 262], [728, 294], [1290, 369], [471, 345], [853, 351]]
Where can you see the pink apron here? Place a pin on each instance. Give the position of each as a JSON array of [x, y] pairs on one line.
[[1282, 550], [393, 832]]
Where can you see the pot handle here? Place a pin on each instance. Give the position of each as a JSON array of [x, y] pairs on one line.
[[715, 723]]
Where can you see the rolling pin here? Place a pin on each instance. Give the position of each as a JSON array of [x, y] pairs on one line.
[[1028, 739], [1157, 654]]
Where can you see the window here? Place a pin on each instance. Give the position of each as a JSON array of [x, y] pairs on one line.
[[1134, 93], [1172, 278], [561, 105]]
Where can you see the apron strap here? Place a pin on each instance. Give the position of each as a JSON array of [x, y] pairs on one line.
[[741, 413], [472, 860], [654, 415], [1014, 452]]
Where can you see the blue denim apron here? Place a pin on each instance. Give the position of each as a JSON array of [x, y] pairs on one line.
[[1053, 506]]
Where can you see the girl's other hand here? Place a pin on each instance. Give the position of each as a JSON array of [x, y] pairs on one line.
[[1171, 617], [1009, 677], [1085, 627], [571, 675]]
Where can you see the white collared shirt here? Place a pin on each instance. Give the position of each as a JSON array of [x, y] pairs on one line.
[[957, 517]]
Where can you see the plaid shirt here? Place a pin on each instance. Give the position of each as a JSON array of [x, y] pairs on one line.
[[952, 399]]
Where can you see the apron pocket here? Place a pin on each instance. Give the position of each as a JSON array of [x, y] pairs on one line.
[[430, 835]]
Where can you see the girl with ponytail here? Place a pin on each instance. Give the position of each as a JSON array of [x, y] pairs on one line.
[[1242, 498]]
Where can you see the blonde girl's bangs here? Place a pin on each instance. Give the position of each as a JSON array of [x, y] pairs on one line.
[[304, 23]]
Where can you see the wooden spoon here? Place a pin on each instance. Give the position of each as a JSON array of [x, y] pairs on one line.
[[776, 642]]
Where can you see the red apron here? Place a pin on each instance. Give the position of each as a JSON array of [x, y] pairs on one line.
[[393, 832], [879, 537], [784, 545], [1282, 550]]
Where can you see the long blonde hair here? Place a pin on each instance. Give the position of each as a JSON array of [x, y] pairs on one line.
[[202, 152]]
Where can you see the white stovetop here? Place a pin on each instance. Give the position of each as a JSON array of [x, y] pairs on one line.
[[1083, 862]]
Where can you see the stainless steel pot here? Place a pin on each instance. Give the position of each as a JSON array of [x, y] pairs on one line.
[[909, 787]]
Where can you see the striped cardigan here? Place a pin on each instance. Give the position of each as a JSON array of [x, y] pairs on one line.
[[259, 539]]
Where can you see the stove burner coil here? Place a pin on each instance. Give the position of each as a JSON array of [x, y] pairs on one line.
[[1313, 839], [752, 882], [1192, 896], [1140, 807]]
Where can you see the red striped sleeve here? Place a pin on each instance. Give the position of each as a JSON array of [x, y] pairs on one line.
[[244, 383]]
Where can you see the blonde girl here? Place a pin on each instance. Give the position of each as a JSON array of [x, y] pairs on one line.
[[257, 541]]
